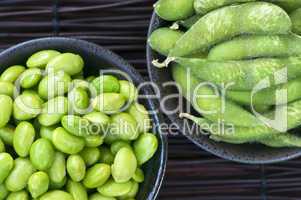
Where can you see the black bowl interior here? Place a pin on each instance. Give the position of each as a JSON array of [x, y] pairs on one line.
[[97, 58], [247, 153]]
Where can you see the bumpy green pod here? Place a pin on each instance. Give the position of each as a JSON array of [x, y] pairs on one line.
[[70, 63], [204, 6], [188, 23], [12, 73], [296, 19], [53, 111], [57, 194], [145, 147], [6, 165], [163, 40], [57, 172], [76, 125], [27, 106], [42, 154], [211, 108], [76, 167], [269, 19], [109, 102], [3, 192], [242, 75], [30, 78], [67, 143], [97, 196], [7, 134], [38, 184], [128, 90], [7, 88], [106, 84], [268, 96], [23, 138], [97, 175], [139, 112], [77, 190], [18, 178], [246, 47], [113, 189], [173, 10], [90, 155], [41, 58], [20, 195], [6, 104]]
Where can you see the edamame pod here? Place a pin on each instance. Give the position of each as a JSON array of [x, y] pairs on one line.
[[3, 192], [145, 147], [23, 138], [204, 6], [288, 5], [98, 196], [282, 140], [128, 90], [56, 194], [214, 108], [42, 154], [139, 112], [12, 73], [54, 84], [109, 102], [7, 88], [296, 19], [268, 96], [57, 172], [76, 125], [41, 58], [70, 63], [163, 40], [27, 106], [7, 134], [246, 47], [20, 195], [113, 189], [77, 190], [173, 10], [242, 75], [97, 175], [188, 23], [90, 155], [38, 184], [106, 84], [117, 145], [53, 111], [6, 104], [124, 166], [239, 20], [18, 178], [30, 78], [76, 168], [67, 143], [6, 165]]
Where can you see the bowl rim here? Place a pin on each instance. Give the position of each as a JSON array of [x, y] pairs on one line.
[[152, 75], [125, 66]]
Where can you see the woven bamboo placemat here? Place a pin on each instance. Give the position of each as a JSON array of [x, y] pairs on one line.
[[121, 25]]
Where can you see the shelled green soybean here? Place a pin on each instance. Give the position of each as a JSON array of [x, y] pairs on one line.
[[220, 52], [70, 138]]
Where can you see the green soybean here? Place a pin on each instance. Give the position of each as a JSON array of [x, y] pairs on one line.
[[38, 184], [163, 39], [41, 58], [99, 120], [124, 166], [12, 73], [139, 175], [246, 47], [46, 132], [173, 10], [90, 155], [128, 90], [2, 146], [79, 100], [20, 195], [3, 192], [296, 19], [30, 78], [109, 102], [56, 194], [242, 75], [106, 84], [97, 175], [26, 106], [132, 193], [7, 88], [54, 84], [7, 134], [70, 63], [113, 189], [139, 112], [94, 140], [106, 155], [117, 145], [76, 167], [6, 165], [145, 147], [53, 111], [58, 185], [23, 138], [57, 172], [240, 20], [77, 190], [6, 104], [67, 143], [204, 6], [214, 108], [19, 176], [42, 154], [98, 196], [76, 125]]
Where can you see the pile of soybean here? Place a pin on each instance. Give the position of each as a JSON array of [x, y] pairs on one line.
[[64, 137], [220, 51]]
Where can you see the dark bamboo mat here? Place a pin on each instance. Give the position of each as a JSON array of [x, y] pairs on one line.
[[121, 25]]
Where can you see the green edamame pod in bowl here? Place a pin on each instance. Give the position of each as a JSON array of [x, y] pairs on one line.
[[12, 73], [41, 58], [296, 19], [173, 10]]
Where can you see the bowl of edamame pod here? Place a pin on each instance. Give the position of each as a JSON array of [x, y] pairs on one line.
[[216, 53], [72, 126]]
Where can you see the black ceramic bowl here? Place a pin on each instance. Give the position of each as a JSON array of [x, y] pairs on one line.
[[246, 153], [96, 58]]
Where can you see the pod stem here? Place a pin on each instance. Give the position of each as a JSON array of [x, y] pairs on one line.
[[165, 63], [174, 26]]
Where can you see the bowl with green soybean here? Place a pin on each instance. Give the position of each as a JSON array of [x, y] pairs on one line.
[[61, 140], [179, 29]]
